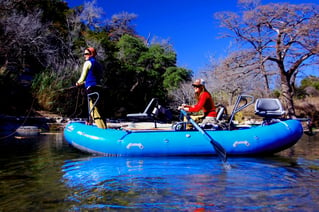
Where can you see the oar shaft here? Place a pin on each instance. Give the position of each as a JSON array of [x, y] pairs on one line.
[[220, 151]]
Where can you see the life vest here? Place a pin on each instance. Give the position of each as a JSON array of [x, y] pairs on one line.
[[93, 76]]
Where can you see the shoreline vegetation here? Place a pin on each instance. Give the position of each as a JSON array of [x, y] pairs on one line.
[[47, 122], [38, 75]]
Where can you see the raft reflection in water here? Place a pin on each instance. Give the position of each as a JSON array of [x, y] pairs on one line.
[[188, 183]]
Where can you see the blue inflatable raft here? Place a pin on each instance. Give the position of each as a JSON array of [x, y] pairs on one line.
[[258, 140], [272, 136]]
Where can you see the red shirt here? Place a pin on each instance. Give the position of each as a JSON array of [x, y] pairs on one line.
[[204, 103]]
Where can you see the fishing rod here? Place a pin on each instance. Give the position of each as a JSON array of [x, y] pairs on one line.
[[68, 88], [80, 86]]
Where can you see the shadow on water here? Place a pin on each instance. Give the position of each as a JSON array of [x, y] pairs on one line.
[[44, 173], [30, 172]]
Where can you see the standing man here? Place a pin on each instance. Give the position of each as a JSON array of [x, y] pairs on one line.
[[90, 77]]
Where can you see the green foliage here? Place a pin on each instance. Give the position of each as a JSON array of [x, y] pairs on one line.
[[276, 93], [134, 72], [300, 93], [311, 81], [129, 49], [141, 73], [53, 92], [174, 76], [308, 86]]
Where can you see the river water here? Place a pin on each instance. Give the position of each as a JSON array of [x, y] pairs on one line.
[[43, 173]]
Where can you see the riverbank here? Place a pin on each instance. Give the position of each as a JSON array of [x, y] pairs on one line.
[[44, 122]]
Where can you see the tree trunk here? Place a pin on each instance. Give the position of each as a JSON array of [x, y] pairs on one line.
[[287, 93], [264, 73]]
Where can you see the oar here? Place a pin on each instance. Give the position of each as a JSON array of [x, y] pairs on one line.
[[221, 152]]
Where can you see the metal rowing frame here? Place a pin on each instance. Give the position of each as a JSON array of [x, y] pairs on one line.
[[238, 108]]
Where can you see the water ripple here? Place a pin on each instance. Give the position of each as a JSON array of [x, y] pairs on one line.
[[191, 183]]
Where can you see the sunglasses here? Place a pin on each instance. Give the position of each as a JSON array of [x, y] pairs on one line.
[[86, 53]]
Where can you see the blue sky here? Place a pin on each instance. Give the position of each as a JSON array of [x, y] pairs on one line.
[[188, 24]]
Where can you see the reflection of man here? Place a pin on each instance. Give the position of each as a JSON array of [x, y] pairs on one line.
[[90, 78]]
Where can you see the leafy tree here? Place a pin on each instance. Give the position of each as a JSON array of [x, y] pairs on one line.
[[147, 71], [312, 81], [52, 47], [29, 42], [286, 35], [174, 76]]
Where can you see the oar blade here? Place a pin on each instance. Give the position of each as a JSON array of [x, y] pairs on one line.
[[220, 151]]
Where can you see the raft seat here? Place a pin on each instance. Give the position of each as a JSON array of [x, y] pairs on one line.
[[269, 108], [149, 113]]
